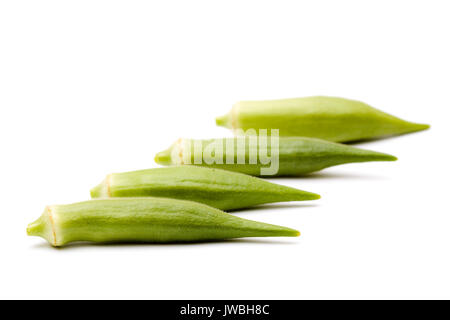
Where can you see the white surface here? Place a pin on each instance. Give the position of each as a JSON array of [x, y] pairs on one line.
[[92, 87]]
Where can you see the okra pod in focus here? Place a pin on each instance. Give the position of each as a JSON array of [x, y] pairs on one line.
[[154, 220]]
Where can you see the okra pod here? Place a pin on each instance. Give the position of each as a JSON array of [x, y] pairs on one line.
[[329, 118], [292, 156], [217, 188], [154, 220]]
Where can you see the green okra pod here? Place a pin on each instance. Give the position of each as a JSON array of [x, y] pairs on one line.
[[221, 189], [329, 118], [155, 220], [292, 156]]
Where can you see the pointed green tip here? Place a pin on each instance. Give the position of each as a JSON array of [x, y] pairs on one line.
[[292, 233], [279, 231], [351, 154], [421, 126], [389, 157], [410, 127], [224, 121], [314, 196], [250, 228], [379, 156], [364, 155], [305, 195], [293, 194], [164, 158]]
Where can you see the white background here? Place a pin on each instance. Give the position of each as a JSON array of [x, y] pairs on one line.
[[93, 87]]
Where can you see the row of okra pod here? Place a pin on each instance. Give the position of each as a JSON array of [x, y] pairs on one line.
[[187, 200]]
